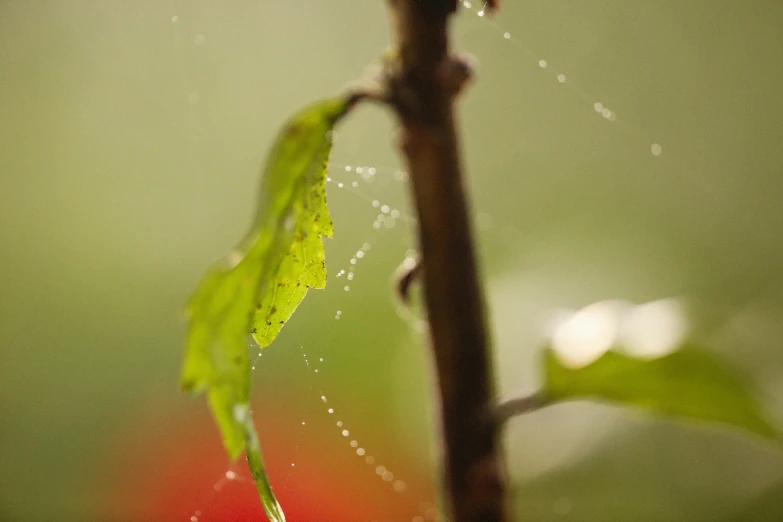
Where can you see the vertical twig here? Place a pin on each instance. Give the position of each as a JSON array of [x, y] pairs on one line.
[[423, 92]]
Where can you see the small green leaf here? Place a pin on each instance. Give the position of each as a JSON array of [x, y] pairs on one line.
[[689, 383], [264, 278]]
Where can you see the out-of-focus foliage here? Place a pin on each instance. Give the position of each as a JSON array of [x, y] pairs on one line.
[[688, 383]]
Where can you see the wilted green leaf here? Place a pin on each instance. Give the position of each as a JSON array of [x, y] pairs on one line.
[[266, 276], [689, 383]]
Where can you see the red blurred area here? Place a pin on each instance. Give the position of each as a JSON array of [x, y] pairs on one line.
[[170, 466]]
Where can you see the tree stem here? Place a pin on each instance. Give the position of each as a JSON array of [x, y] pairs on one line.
[[423, 92]]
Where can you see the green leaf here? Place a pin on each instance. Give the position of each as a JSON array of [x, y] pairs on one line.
[[689, 383], [264, 278]]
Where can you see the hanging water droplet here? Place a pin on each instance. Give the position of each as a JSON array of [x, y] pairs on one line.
[[542, 64], [323, 398], [561, 78], [347, 168], [507, 36], [346, 433], [354, 443], [230, 475], [331, 410], [656, 149]]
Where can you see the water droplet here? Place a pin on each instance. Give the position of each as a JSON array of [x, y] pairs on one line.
[[656, 149], [353, 260], [360, 254], [480, 13], [347, 288], [376, 225], [390, 222], [346, 433], [371, 171], [542, 64], [323, 398], [562, 506], [360, 451], [339, 185], [303, 423], [399, 485], [395, 213], [175, 19], [194, 518], [387, 476], [355, 184], [339, 424], [193, 97], [376, 203], [380, 470], [322, 359], [366, 247], [507, 35], [409, 263], [354, 443], [292, 464], [347, 168], [370, 460], [385, 209], [598, 106], [359, 170], [230, 475], [468, 5], [561, 78], [350, 276], [400, 175], [328, 179], [331, 410]]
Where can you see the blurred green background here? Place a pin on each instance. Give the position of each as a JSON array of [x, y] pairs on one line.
[[130, 139]]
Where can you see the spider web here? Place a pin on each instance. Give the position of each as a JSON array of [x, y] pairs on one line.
[[365, 192]]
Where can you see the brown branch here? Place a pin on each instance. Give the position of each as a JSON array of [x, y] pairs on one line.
[[423, 89]]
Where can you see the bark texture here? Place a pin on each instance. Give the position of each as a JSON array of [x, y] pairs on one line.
[[423, 88]]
